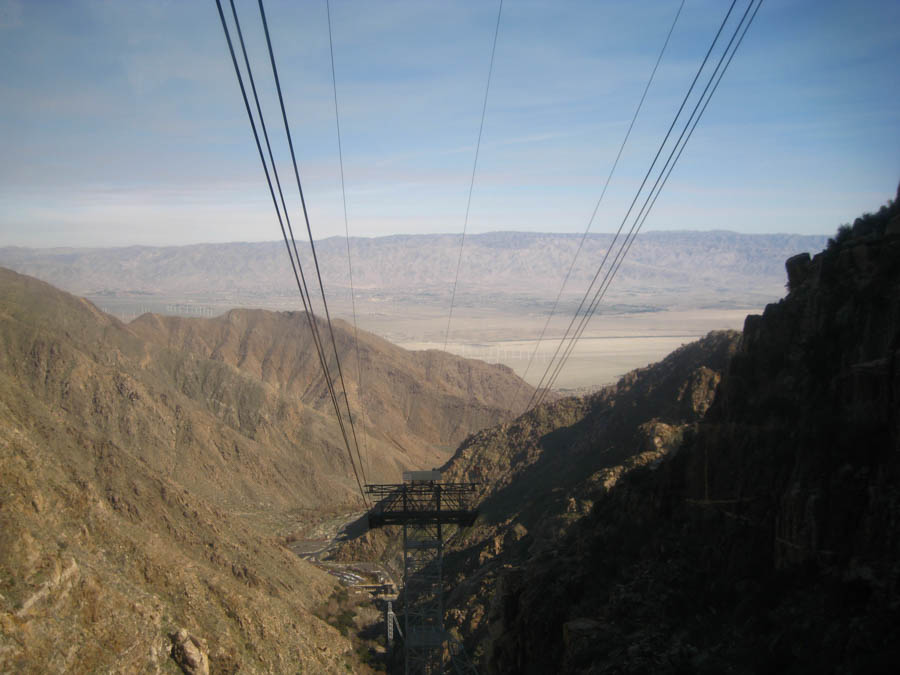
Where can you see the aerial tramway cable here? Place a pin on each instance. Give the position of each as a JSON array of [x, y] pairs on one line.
[[645, 211], [337, 121], [667, 170], [312, 243], [663, 176], [602, 192], [295, 264], [462, 242], [538, 392], [300, 279], [302, 285], [304, 291], [650, 200]]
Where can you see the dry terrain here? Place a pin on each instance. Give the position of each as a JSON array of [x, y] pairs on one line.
[[723, 511], [673, 287], [611, 346], [152, 473]]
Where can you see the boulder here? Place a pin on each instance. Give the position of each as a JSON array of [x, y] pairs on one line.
[[797, 269], [190, 653]]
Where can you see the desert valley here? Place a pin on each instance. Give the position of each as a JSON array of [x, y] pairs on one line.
[[432, 338], [176, 486]]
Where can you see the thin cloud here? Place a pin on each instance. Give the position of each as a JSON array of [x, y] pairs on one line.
[[10, 14]]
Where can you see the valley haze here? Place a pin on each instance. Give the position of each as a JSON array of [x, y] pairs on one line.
[[673, 288]]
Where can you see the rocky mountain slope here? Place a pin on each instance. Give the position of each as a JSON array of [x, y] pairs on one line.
[[544, 471], [236, 406], [764, 540], [413, 401], [147, 469]]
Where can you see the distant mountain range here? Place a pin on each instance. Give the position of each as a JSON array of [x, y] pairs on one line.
[[499, 269]]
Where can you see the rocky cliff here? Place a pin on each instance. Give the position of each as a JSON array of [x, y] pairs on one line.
[[768, 539], [543, 472]]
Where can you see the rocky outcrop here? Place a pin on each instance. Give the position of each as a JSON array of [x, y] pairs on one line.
[[542, 473], [770, 541], [190, 653], [797, 269]]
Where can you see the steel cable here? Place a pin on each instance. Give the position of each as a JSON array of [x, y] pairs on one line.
[[295, 266], [550, 365], [603, 192], [312, 243], [337, 121], [663, 176], [462, 242]]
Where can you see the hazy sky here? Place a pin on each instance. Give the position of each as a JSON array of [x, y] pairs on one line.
[[121, 121]]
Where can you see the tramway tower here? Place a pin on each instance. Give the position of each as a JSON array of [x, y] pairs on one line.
[[425, 508]]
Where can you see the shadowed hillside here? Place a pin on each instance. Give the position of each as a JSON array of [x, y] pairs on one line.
[[538, 474], [544, 471], [765, 539]]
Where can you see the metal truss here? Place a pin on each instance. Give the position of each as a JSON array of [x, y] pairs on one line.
[[424, 509]]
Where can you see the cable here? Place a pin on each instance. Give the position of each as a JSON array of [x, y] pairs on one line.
[[337, 122], [603, 192], [633, 202], [658, 185], [300, 280], [462, 242], [302, 284], [645, 209], [312, 244], [668, 171]]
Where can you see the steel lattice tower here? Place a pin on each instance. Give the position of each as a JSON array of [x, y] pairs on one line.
[[424, 507]]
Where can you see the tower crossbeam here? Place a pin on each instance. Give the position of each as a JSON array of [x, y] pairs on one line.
[[424, 506]]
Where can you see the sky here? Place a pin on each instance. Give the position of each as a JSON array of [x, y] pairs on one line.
[[121, 122]]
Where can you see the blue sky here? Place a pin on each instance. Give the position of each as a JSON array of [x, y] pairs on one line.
[[121, 122]]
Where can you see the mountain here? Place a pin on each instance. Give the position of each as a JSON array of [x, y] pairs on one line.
[[500, 270], [542, 472], [538, 474], [243, 395], [412, 402], [151, 469], [757, 535]]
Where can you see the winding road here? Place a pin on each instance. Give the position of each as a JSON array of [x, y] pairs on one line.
[[375, 577]]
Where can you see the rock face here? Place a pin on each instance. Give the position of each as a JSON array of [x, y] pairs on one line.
[[542, 473], [770, 541], [797, 269], [190, 653]]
